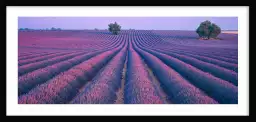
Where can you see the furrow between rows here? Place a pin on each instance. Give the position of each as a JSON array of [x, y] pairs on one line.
[[139, 88]]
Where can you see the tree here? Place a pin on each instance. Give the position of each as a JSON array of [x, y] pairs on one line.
[[208, 30], [216, 30], [114, 28], [53, 28]]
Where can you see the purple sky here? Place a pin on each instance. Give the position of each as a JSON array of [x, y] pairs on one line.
[[144, 23]]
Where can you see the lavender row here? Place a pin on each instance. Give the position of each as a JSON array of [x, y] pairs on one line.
[[139, 88], [105, 84], [178, 89], [224, 73], [226, 54], [35, 55], [232, 57], [41, 64], [215, 70], [65, 86], [220, 63], [228, 60], [218, 51], [41, 58], [31, 79], [221, 90], [33, 66], [149, 42]]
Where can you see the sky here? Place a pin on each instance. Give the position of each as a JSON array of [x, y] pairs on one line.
[[143, 23]]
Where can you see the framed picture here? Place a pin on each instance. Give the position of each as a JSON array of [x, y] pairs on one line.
[[127, 60]]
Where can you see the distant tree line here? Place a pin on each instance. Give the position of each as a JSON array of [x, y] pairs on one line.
[[55, 28], [25, 29], [30, 29]]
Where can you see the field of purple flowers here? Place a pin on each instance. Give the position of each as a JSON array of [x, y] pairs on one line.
[[134, 67]]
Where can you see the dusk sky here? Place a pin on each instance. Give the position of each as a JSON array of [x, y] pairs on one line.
[[144, 23]]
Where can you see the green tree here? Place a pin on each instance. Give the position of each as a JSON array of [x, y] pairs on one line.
[[208, 30], [114, 28]]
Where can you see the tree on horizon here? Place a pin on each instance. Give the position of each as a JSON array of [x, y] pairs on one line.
[[114, 28], [208, 30]]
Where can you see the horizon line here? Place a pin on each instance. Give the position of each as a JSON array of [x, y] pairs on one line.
[[122, 29]]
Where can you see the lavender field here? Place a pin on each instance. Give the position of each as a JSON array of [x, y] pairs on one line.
[[133, 67]]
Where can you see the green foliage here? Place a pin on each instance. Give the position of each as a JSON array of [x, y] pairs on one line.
[[55, 29], [208, 30], [25, 29], [114, 28]]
